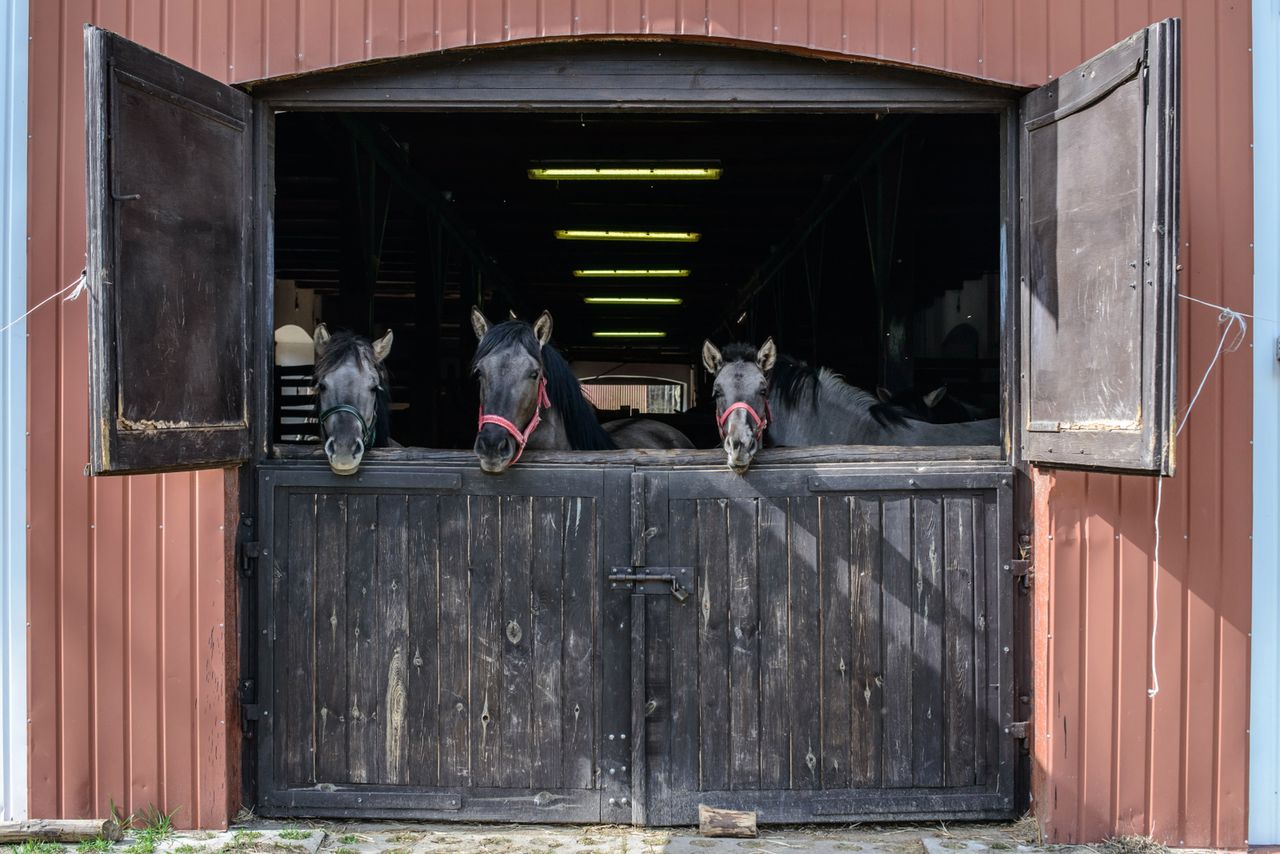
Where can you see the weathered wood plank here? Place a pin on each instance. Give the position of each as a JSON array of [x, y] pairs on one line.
[[60, 830], [866, 706], [660, 613], [958, 631], [548, 553], [775, 741], [455, 665], [744, 649], [804, 692], [296, 749], [392, 639], [515, 732], [333, 699], [899, 586], [722, 822], [487, 639], [713, 644], [580, 610], [989, 574], [686, 635], [426, 703], [836, 655], [927, 616], [364, 745]]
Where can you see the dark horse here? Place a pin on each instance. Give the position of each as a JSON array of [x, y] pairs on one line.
[[759, 392], [352, 403], [529, 398]]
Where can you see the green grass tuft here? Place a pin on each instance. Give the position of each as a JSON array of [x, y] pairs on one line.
[[98, 844], [294, 833]]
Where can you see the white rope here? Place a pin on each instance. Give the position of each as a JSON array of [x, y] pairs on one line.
[[77, 287], [1229, 319]]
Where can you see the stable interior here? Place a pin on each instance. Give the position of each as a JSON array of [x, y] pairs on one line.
[[865, 243]]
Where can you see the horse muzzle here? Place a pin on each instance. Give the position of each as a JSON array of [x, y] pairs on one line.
[[495, 450], [344, 457], [739, 454]]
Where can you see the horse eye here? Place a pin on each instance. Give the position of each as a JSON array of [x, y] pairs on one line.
[[321, 387], [533, 375]]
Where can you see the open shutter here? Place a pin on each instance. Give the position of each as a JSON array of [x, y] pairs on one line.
[[1099, 259], [169, 168]]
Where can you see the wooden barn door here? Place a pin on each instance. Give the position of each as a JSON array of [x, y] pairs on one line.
[[436, 643], [842, 652]]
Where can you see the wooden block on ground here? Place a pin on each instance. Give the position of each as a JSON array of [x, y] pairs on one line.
[[59, 830], [718, 822]]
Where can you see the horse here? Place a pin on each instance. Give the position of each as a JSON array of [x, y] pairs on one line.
[[939, 406], [352, 402], [759, 392], [526, 381]]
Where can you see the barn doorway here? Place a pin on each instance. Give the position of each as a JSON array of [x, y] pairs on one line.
[[862, 242]]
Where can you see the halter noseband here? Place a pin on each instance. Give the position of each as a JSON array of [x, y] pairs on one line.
[[521, 436], [366, 429], [761, 423]]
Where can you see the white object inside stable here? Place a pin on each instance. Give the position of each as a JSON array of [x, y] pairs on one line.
[[295, 348]]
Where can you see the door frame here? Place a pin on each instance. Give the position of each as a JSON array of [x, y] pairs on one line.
[[324, 91]]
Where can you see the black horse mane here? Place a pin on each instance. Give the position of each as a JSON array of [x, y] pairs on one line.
[[344, 346], [796, 383], [581, 425]]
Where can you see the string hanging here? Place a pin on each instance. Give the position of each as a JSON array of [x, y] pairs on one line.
[[77, 287]]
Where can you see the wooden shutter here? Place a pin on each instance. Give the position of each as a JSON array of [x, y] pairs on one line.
[[169, 166], [1099, 172]]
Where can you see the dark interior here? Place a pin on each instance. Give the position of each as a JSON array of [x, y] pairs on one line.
[[853, 254]]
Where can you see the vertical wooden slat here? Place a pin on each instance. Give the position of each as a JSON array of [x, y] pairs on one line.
[[516, 643], [485, 526], [926, 639], [744, 646], [659, 629], [456, 700], [392, 638], [686, 637], [578, 733], [958, 571], [426, 705], [296, 587], [836, 655], [713, 643], [866, 669], [364, 743], [899, 586], [333, 698], [988, 570], [547, 639], [774, 587], [806, 698]]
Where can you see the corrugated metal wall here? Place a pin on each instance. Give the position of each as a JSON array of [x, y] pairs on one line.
[[1107, 759], [13, 409], [1264, 725]]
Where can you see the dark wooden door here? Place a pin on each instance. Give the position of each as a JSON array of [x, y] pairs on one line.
[[844, 652], [436, 643], [169, 250], [1099, 171]]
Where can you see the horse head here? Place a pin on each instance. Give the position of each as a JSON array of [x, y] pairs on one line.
[[508, 366], [350, 384], [741, 388]]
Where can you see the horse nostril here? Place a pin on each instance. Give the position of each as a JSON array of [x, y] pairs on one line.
[[328, 447], [359, 450]]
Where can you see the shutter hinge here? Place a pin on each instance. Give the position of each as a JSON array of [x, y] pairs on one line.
[[250, 712], [1024, 570], [249, 553], [1018, 729]]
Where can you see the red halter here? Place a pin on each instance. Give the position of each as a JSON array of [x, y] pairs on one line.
[[521, 437], [761, 423]]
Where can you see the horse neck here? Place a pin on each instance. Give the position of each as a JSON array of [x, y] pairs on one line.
[[841, 415], [550, 435]]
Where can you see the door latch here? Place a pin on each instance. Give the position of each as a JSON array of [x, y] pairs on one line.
[[669, 580]]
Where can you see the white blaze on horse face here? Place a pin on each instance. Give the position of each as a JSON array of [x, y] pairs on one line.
[[741, 382]]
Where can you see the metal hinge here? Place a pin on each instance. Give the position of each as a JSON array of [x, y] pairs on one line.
[[1018, 729], [250, 712], [249, 554], [1024, 570]]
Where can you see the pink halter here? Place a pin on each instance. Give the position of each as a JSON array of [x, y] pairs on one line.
[[761, 423], [521, 437]]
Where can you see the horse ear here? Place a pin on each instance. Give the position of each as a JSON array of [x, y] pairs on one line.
[[542, 328], [883, 394], [511, 315], [767, 355], [711, 358], [382, 347], [479, 324], [935, 397], [321, 338]]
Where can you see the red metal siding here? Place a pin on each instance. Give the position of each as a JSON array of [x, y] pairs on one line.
[[127, 577]]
